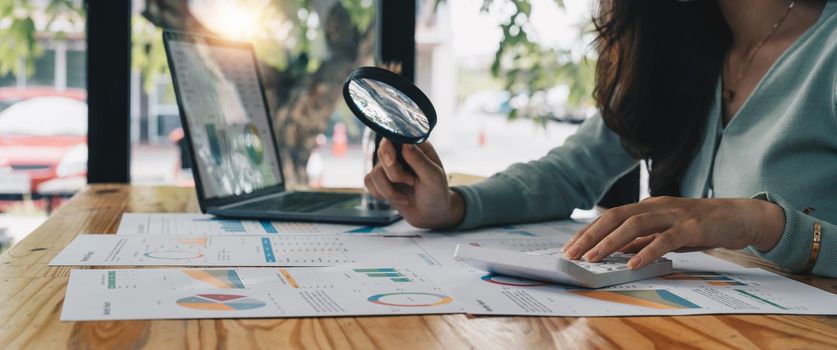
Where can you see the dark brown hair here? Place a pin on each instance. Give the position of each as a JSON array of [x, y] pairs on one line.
[[658, 66]]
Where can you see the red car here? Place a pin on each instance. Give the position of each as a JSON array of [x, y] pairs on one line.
[[42, 139]]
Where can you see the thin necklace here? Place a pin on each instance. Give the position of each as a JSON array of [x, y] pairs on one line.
[[729, 93]]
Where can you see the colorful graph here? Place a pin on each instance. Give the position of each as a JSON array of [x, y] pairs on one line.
[[220, 302], [726, 283], [711, 278], [226, 225], [267, 248], [198, 241], [224, 279], [385, 272], [289, 278], [511, 281], [268, 226], [253, 143], [653, 298], [111, 279], [410, 299], [752, 295], [368, 230], [514, 230], [214, 143], [173, 255]]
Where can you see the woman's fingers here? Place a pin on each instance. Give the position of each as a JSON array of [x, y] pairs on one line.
[[421, 158], [608, 222], [642, 224], [386, 152], [576, 235], [424, 167], [370, 186], [636, 245], [661, 244], [385, 188], [394, 171]]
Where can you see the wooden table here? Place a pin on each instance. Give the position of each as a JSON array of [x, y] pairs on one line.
[[31, 295]]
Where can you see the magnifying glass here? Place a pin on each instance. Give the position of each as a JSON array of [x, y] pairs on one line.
[[391, 106]]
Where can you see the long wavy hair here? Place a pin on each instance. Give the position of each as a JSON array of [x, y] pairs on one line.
[[658, 66]]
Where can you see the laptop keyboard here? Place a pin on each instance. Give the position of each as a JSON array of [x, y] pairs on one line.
[[298, 202]]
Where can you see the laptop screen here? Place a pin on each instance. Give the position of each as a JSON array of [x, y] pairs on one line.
[[221, 98]]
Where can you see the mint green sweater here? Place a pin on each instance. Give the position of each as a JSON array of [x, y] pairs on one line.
[[780, 147]]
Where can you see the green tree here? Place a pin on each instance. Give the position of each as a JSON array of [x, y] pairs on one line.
[[18, 32], [526, 67]]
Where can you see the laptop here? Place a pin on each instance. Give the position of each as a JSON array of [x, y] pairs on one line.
[[234, 154]]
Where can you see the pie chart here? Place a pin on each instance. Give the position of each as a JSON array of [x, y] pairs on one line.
[[220, 302], [410, 299], [511, 281]]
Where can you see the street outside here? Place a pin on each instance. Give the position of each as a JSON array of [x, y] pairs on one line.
[[457, 140]]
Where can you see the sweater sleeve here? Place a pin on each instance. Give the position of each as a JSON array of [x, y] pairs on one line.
[[574, 175], [794, 248]]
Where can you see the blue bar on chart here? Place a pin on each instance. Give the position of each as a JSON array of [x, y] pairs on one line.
[[232, 226], [385, 272], [227, 225], [268, 250], [268, 226]]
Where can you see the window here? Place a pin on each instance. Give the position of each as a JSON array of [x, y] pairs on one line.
[[484, 126], [44, 73], [43, 111], [318, 136], [76, 69], [8, 79]]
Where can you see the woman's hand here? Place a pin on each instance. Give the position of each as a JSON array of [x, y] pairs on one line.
[[658, 225], [423, 199]]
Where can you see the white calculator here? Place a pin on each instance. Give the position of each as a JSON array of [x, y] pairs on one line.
[[550, 265]]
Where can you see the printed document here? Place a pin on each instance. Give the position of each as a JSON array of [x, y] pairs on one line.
[[392, 275], [249, 250], [133, 294], [202, 224]]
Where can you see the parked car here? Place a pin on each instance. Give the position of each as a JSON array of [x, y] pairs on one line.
[[42, 139], [12, 95]]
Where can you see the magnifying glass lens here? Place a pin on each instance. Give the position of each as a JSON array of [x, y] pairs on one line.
[[389, 108]]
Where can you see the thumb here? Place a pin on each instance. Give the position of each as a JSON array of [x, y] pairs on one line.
[[425, 168]]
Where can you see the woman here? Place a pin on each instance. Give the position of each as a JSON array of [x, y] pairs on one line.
[[731, 104]]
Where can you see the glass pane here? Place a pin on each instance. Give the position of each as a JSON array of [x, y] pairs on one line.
[[44, 74], [43, 121], [77, 69], [302, 69], [8, 79]]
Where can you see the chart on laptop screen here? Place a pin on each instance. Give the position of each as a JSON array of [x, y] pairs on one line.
[[220, 94]]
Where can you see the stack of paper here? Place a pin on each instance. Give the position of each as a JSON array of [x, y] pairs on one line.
[[324, 271]]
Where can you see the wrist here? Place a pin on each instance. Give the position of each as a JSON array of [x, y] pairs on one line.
[[457, 209], [771, 219]]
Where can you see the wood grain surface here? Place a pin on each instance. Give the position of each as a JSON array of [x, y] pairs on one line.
[[31, 295]]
